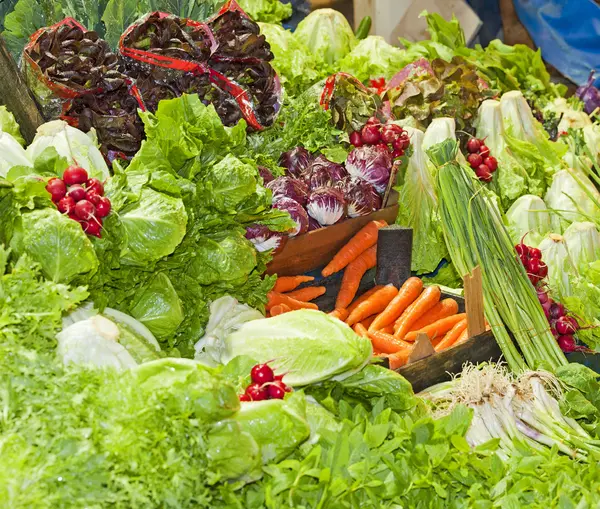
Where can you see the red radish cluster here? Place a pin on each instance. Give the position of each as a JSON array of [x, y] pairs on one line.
[[390, 136], [531, 258], [81, 198], [562, 326], [265, 385], [480, 160]]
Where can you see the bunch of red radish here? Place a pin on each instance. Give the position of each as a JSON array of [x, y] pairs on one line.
[[389, 136], [265, 385], [480, 160], [81, 198], [562, 325]]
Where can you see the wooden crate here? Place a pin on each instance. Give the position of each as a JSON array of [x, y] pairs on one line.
[[431, 370], [315, 249]]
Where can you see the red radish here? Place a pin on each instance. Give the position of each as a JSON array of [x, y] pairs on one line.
[[566, 325], [75, 175], [244, 397], [370, 134], [57, 188], [491, 163], [405, 143], [484, 151], [262, 374], [398, 144], [533, 266], [276, 390], [66, 205], [522, 249], [355, 139], [543, 297], [93, 227], [567, 343], [473, 145], [483, 173], [103, 207], [390, 133], [524, 260], [546, 307], [95, 185], [93, 197], [256, 392], [373, 120], [543, 270], [474, 160], [557, 310], [534, 252], [77, 192], [85, 210], [396, 153]]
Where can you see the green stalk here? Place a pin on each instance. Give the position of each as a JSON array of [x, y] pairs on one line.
[[475, 235]]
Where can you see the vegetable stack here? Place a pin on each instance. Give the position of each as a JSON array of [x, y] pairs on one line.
[[475, 235]]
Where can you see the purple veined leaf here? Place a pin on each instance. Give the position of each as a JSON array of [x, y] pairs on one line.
[[327, 205], [289, 187], [361, 197], [313, 224], [337, 171], [590, 95], [371, 163], [296, 212], [265, 239], [296, 161], [265, 174]]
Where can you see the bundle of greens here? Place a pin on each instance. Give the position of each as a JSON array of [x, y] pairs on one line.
[[475, 235]]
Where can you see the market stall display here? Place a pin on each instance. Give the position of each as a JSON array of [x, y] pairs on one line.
[[234, 253]]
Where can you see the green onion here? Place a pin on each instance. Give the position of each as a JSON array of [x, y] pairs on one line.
[[475, 235]]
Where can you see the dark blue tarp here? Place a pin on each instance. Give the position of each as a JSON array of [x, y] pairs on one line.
[[568, 33], [301, 9]]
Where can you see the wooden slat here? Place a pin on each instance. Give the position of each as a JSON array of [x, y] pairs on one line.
[[317, 248], [474, 302], [15, 95]]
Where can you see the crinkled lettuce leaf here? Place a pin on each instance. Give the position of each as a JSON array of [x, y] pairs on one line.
[[268, 11], [9, 125], [373, 57]]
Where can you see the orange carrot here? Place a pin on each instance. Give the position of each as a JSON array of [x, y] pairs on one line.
[[361, 330], [339, 313], [363, 240], [429, 298], [353, 274], [289, 283], [307, 294], [367, 321], [363, 298], [409, 291], [463, 337], [389, 329], [279, 309], [376, 303], [386, 342], [274, 298], [452, 336], [399, 359], [443, 309], [437, 329]]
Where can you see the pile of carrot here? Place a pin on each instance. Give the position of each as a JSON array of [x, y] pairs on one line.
[[390, 317]]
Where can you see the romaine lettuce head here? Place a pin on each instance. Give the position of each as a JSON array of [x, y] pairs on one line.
[[490, 126], [76, 146], [9, 125], [57, 243], [306, 346], [583, 242], [373, 57], [272, 11], [573, 197], [158, 307], [327, 34], [528, 216], [560, 265], [279, 426], [153, 227], [418, 209], [11, 154], [440, 129]]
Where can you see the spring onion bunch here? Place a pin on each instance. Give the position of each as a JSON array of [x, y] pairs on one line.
[[475, 235], [518, 411]]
